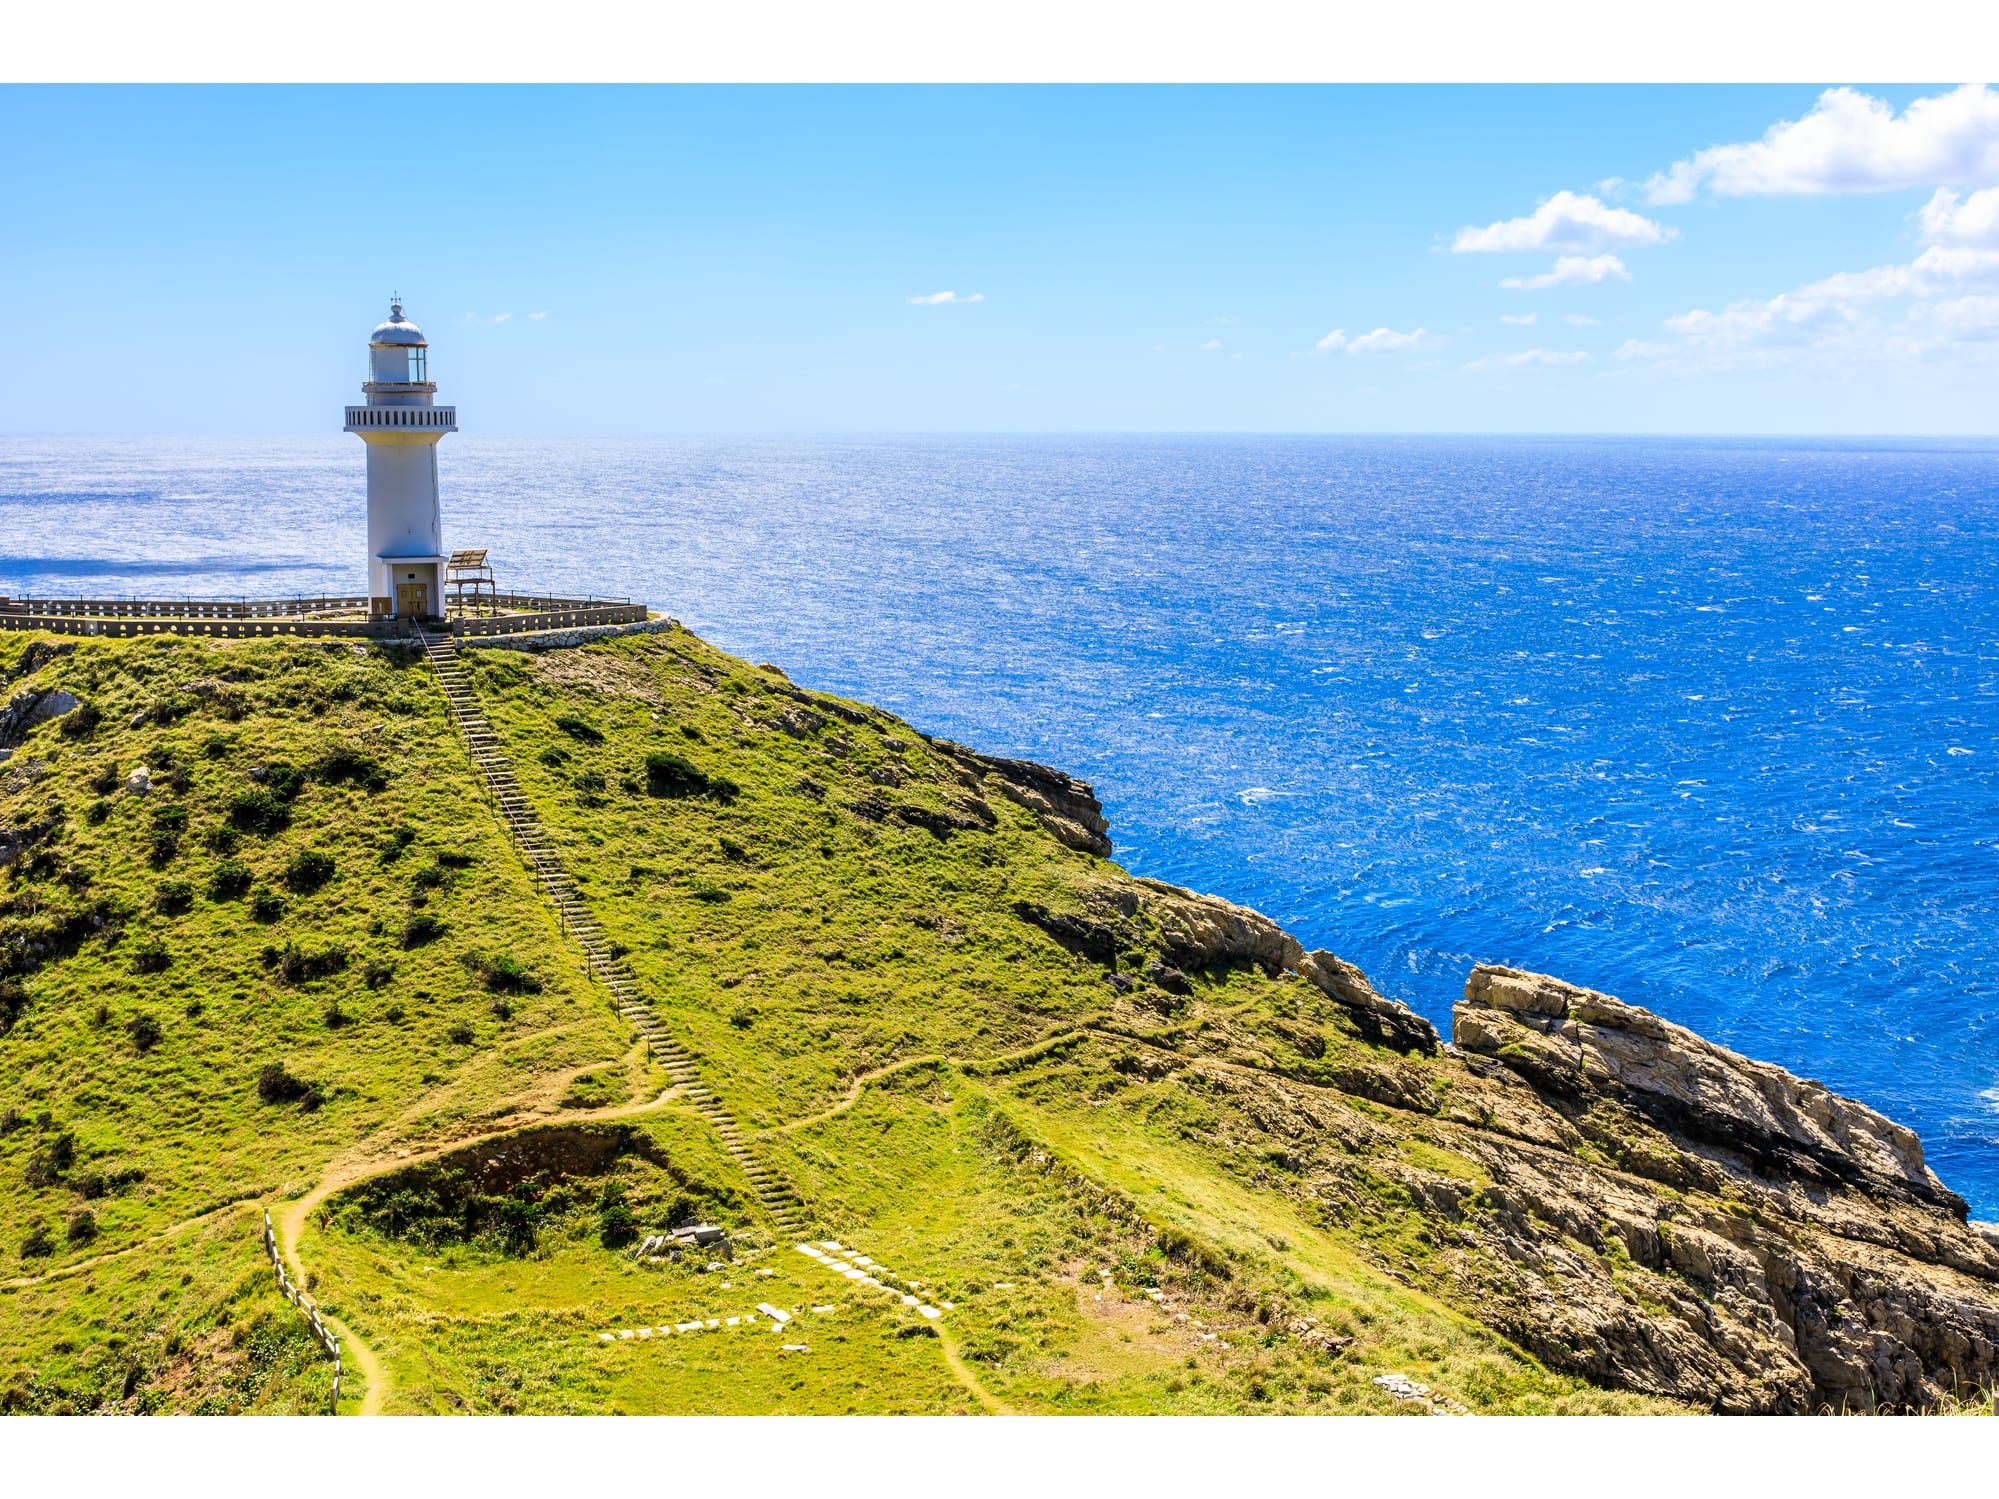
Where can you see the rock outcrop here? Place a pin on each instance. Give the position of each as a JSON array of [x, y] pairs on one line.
[[1067, 807], [1577, 1043], [1203, 930], [1720, 1230]]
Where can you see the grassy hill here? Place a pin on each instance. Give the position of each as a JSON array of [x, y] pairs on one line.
[[304, 969]]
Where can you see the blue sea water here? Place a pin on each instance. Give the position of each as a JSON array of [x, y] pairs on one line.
[[1710, 725]]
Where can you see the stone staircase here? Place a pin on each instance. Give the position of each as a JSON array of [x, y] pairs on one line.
[[780, 1202]]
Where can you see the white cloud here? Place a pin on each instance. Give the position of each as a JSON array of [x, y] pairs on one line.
[[1582, 320], [1572, 270], [1527, 357], [1380, 341], [1825, 309], [1567, 221], [536, 317], [1519, 319], [946, 299], [1637, 348], [503, 317], [1210, 345], [1226, 322], [1851, 142], [1947, 219]]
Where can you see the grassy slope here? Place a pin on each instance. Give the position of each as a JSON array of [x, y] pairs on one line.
[[800, 947], [185, 1113]]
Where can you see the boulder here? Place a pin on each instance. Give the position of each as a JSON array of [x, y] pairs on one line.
[[140, 781]]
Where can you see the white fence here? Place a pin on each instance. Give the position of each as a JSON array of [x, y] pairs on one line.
[[303, 1302]]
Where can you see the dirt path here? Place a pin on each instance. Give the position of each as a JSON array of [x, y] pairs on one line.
[[962, 1372], [172, 1230], [980, 1067], [363, 1164]]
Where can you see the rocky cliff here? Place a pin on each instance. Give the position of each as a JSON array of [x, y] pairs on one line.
[[1624, 1198]]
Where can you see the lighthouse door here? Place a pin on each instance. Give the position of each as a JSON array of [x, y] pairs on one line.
[[411, 600]]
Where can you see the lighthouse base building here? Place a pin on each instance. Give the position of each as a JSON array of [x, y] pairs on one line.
[[402, 425]]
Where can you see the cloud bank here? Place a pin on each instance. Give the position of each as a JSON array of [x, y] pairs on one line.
[[1851, 142], [946, 299]]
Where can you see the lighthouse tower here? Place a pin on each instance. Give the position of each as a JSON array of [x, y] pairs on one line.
[[402, 425]]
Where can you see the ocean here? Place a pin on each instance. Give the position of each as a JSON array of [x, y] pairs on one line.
[[1709, 725]]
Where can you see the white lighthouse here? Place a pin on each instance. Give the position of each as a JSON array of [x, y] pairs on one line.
[[402, 425]]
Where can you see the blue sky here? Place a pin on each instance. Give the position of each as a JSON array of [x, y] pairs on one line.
[[728, 260]]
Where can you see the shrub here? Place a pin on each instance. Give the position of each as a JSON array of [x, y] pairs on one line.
[[308, 870], [228, 880], [97, 811], [345, 763], [151, 957], [453, 860], [285, 781], [577, 728], [374, 975], [553, 758], [459, 1035], [668, 774], [266, 905], [38, 1244], [169, 822], [82, 1226], [49, 1164], [106, 780], [422, 928], [82, 722], [742, 1017], [256, 809], [702, 890], [13, 1002], [516, 1218], [430, 877], [276, 1085], [298, 965], [174, 897], [502, 974], [144, 1031], [221, 839], [616, 1223], [589, 780], [691, 732]]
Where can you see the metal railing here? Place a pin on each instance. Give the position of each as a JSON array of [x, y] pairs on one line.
[[121, 619]]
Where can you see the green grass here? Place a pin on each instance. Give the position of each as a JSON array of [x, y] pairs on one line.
[[823, 910]]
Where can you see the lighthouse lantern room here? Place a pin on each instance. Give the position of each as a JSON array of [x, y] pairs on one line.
[[402, 425]]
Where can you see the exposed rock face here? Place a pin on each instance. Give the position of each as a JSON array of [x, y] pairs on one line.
[[1576, 1042], [1803, 1256], [30, 707], [1202, 930], [1067, 807]]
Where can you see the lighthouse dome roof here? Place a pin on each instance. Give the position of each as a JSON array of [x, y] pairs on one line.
[[397, 330]]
